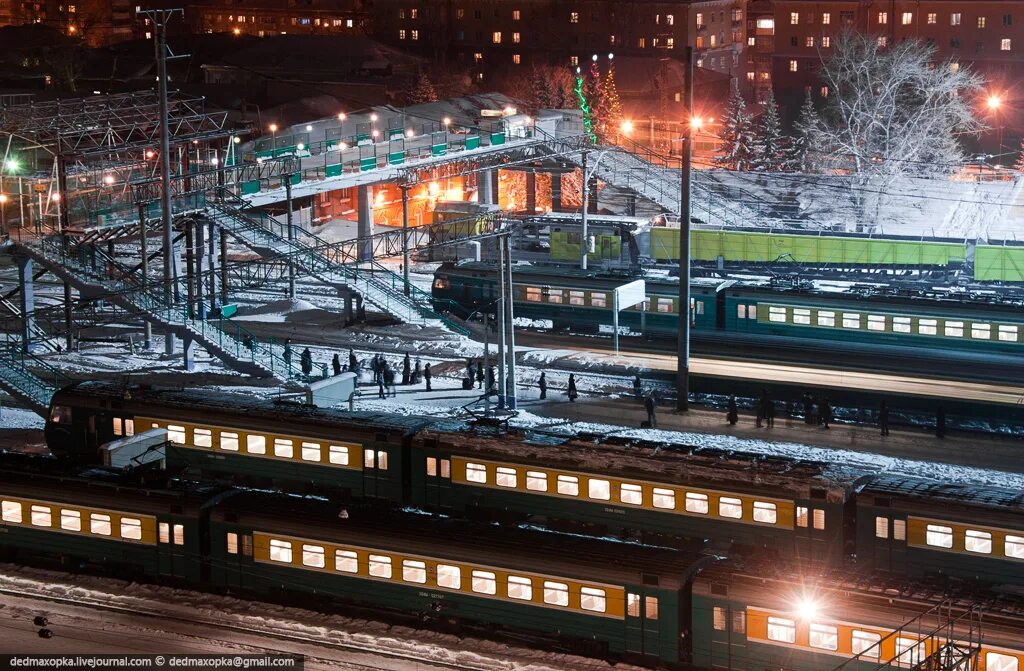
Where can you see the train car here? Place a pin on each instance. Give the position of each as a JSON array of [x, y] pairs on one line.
[[761, 616], [95, 522], [914, 526], [591, 595], [251, 441]]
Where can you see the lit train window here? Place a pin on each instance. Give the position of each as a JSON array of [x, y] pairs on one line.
[[432, 466], [380, 566], [978, 541], [576, 297], [665, 305], [533, 295], [741, 311], [337, 454], [505, 477], [826, 318], [631, 494], [782, 630], [70, 520], [484, 582], [995, 661], [202, 437], [449, 576], [865, 643], [256, 444], [651, 607], [730, 507], [118, 426], [765, 512], [901, 324], [801, 316], [739, 621], [568, 485], [664, 498], [818, 519], [876, 322], [310, 451], [851, 320], [1007, 333], [164, 531], [554, 296], [281, 551], [346, 561], [232, 543], [632, 604], [881, 527], [939, 536], [899, 530], [599, 300], [593, 599], [696, 503], [718, 618], [909, 651], [536, 481], [284, 447], [476, 473], [131, 528], [981, 331], [801, 516], [41, 516], [179, 534], [176, 434], [954, 329], [599, 489], [927, 326], [1013, 546], [229, 441], [313, 555], [776, 314], [11, 511], [414, 571], [556, 593], [99, 524], [824, 636], [520, 588]]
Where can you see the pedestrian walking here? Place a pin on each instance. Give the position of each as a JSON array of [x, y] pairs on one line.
[[573, 394], [353, 363], [883, 418], [651, 406], [287, 354], [426, 375], [769, 412], [380, 389], [480, 374], [825, 413], [637, 386], [732, 415], [306, 362], [808, 408], [249, 342], [940, 422], [336, 364], [406, 369], [543, 384]]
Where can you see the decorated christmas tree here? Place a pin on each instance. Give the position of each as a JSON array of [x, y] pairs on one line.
[[423, 91], [609, 112]]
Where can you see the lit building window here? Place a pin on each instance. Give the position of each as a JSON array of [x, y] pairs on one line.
[[794, 18], [496, 37], [933, 18], [954, 19], [981, 21], [515, 38], [415, 34], [401, 34], [809, 41], [826, 18], [516, 15], [670, 20], [907, 18], [883, 18], [883, 41], [826, 41], [1004, 44], [574, 17], [517, 59], [792, 65]]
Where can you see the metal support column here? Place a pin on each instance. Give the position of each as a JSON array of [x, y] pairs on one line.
[[200, 272], [511, 392], [531, 193], [27, 298], [583, 212], [291, 234], [223, 266], [69, 319], [683, 345], [190, 260], [144, 250], [556, 192], [405, 238], [213, 254], [501, 323], [365, 221]]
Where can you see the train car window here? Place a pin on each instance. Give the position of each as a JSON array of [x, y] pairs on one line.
[[99, 524], [414, 571], [730, 507], [651, 607], [646, 305], [876, 322], [313, 555], [899, 530], [599, 489], [41, 516], [60, 414], [866, 644], [631, 494], [741, 311], [665, 305], [71, 520], [632, 604], [718, 618], [346, 561], [939, 536], [310, 451], [280, 551], [696, 503], [1013, 546], [284, 447], [476, 473], [851, 320], [881, 527], [554, 295], [118, 426], [536, 481], [449, 576], [337, 454], [164, 532], [11, 511], [594, 599], [246, 545], [1007, 333], [382, 460], [576, 297], [599, 300], [256, 444], [826, 318], [505, 477], [901, 324], [954, 329], [765, 512], [533, 294], [484, 582], [819, 519], [228, 441], [568, 485], [801, 516], [446, 468], [782, 630], [995, 661], [824, 636], [432, 466], [927, 326], [801, 316], [699, 307], [202, 437], [556, 593], [131, 528], [232, 543], [776, 314], [519, 588], [179, 534], [664, 498], [981, 331], [739, 622], [176, 434], [978, 541], [129, 427], [909, 651], [380, 566]]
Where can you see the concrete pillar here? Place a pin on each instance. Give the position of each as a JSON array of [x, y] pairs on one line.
[[223, 266], [69, 322], [592, 198], [365, 218], [27, 303], [556, 191], [188, 350], [190, 267], [630, 204], [485, 187], [494, 186], [531, 193], [213, 253], [201, 268]]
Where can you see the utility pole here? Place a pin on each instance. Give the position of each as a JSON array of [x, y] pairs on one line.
[[160, 18], [405, 238], [291, 236], [511, 393], [683, 348], [583, 216]]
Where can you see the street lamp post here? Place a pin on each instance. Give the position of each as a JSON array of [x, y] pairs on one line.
[[995, 104], [683, 345], [273, 140]]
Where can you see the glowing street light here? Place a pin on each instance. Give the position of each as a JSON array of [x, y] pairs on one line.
[[807, 608], [626, 127], [237, 32], [696, 123], [55, 197], [994, 102], [11, 165], [341, 116], [410, 132], [309, 128], [273, 139], [108, 179]]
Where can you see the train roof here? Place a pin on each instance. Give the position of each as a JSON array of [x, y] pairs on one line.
[[933, 491]]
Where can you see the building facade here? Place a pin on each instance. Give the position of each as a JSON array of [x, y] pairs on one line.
[[96, 22], [266, 18]]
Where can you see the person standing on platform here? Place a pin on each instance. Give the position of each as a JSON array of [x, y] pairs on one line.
[[336, 364], [480, 374], [426, 376], [769, 412], [762, 408], [543, 384], [573, 394], [883, 418], [469, 369], [732, 415], [353, 363], [287, 354], [491, 377], [306, 361], [380, 389], [406, 369], [389, 380], [825, 413], [637, 386], [808, 408], [651, 406], [417, 372]]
